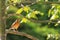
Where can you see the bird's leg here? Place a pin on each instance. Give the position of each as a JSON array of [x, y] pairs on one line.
[[16, 30], [12, 29]]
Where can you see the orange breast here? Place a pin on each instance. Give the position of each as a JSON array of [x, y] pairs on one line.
[[16, 25]]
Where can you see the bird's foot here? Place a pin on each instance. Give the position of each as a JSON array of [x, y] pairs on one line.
[[15, 30]]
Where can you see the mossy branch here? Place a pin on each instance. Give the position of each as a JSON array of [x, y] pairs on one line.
[[21, 34]]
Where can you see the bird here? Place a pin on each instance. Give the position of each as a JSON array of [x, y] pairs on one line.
[[15, 25]]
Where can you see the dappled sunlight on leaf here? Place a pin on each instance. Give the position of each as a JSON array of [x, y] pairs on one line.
[[24, 20], [19, 11], [36, 12], [51, 11], [42, 14], [54, 12], [57, 23], [26, 8], [32, 14], [54, 16]]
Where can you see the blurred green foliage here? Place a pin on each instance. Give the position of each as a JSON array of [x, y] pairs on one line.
[[39, 30]]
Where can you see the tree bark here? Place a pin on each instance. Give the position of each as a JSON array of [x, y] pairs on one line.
[[2, 20]]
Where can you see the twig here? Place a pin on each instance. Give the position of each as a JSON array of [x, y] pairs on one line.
[[47, 2], [21, 34], [44, 2], [32, 20]]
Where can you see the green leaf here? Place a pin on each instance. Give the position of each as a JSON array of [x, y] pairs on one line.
[[26, 8], [57, 23], [54, 16], [19, 11], [24, 20], [32, 14], [51, 11]]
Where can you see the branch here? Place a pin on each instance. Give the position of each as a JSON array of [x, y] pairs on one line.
[[21, 34], [44, 2], [32, 20], [47, 2]]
